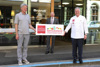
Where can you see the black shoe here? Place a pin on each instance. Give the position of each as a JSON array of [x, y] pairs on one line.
[[51, 51], [46, 52], [80, 61], [74, 61]]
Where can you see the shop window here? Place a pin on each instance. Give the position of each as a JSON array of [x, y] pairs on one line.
[[40, 11], [5, 16], [94, 14]]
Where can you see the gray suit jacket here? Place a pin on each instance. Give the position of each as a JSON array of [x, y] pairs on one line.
[[55, 21]]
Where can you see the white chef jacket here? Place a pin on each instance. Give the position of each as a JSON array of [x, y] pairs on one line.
[[78, 27]]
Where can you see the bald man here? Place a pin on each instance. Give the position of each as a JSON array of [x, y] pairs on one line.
[[51, 20]]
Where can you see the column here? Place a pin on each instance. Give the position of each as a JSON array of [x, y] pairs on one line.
[[28, 2], [98, 11], [65, 13], [84, 7], [88, 11], [52, 5], [52, 10], [29, 7], [88, 14]]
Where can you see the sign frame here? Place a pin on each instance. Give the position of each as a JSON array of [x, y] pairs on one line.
[[49, 29]]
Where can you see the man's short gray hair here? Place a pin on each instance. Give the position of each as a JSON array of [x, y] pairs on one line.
[[23, 4], [77, 8]]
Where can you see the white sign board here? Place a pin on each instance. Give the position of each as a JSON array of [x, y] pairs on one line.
[[49, 29]]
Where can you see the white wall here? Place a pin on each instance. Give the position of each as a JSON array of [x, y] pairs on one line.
[[89, 3]]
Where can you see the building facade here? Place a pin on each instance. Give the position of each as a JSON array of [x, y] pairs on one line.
[[93, 20], [39, 11]]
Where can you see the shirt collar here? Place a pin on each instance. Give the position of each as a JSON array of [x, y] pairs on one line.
[[77, 17], [22, 13], [52, 17]]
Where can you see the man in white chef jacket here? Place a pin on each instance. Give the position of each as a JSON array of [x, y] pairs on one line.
[[79, 30]]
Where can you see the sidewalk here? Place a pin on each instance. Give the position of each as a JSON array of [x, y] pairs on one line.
[[94, 62], [8, 55]]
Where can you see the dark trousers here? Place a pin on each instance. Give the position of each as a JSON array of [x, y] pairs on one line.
[[77, 44], [48, 43]]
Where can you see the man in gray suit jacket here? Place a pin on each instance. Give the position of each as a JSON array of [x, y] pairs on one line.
[[51, 20]]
